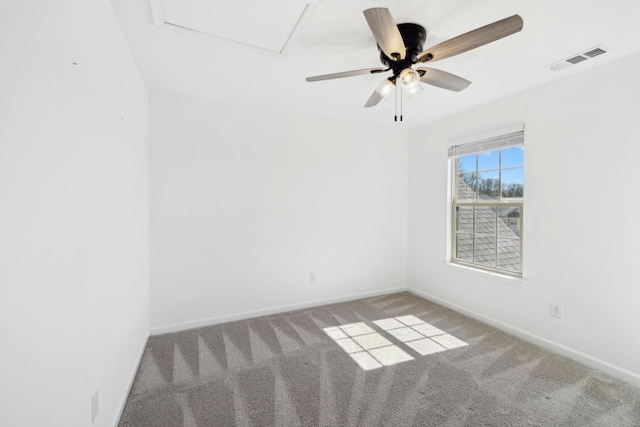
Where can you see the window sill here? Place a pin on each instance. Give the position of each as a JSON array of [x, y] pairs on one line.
[[512, 280]]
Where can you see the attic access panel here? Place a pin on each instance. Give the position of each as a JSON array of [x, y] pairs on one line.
[[265, 25]]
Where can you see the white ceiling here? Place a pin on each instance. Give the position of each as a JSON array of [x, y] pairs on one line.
[[228, 20], [236, 62]]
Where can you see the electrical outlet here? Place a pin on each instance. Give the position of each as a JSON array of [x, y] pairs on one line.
[[556, 310], [95, 405], [312, 277]]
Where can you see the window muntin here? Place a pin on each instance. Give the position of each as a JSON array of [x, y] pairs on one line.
[[487, 207]]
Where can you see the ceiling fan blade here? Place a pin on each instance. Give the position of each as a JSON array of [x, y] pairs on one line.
[[373, 99], [346, 74], [473, 39], [443, 79], [386, 32]]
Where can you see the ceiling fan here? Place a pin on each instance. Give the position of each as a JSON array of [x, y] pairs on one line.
[[401, 47]]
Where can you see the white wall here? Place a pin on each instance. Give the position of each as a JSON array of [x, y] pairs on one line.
[[245, 204], [73, 213], [581, 228]]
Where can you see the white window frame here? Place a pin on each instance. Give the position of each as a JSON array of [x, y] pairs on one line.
[[499, 140]]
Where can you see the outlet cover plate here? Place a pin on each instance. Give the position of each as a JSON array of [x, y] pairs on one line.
[[556, 310]]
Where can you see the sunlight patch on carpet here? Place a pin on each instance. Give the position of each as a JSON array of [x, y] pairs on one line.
[[370, 350], [367, 348]]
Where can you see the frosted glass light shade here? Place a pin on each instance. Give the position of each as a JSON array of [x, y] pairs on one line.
[[385, 88], [409, 78], [413, 91]]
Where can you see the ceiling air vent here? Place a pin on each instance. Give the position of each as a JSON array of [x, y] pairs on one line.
[[594, 52], [576, 59]]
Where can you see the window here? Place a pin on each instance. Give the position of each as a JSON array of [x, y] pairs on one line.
[[487, 203]]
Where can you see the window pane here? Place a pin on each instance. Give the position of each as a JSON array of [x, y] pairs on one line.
[[467, 163], [513, 183], [464, 233], [488, 160], [485, 250], [485, 220], [509, 227], [464, 247], [488, 185], [509, 238], [464, 219], [485, 236], [513, 157], [467, 186], [509, 254]]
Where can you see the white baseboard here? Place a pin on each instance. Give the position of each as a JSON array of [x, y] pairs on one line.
[[576, 355], [123, 399], [267, 311]]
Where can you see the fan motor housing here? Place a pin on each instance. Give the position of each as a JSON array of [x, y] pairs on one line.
[[414, 36]]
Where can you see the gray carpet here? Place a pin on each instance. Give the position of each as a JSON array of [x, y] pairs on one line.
[[302, 369]]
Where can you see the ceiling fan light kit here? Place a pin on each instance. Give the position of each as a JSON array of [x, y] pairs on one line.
[[409, 78], [401, 47], [413, 91], [385, 88]]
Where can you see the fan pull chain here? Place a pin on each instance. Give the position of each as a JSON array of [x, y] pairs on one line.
[[398, 89], [395, 118], [400, 103]]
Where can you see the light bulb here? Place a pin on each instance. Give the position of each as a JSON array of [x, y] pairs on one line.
[[385, 88], [409, 78]]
